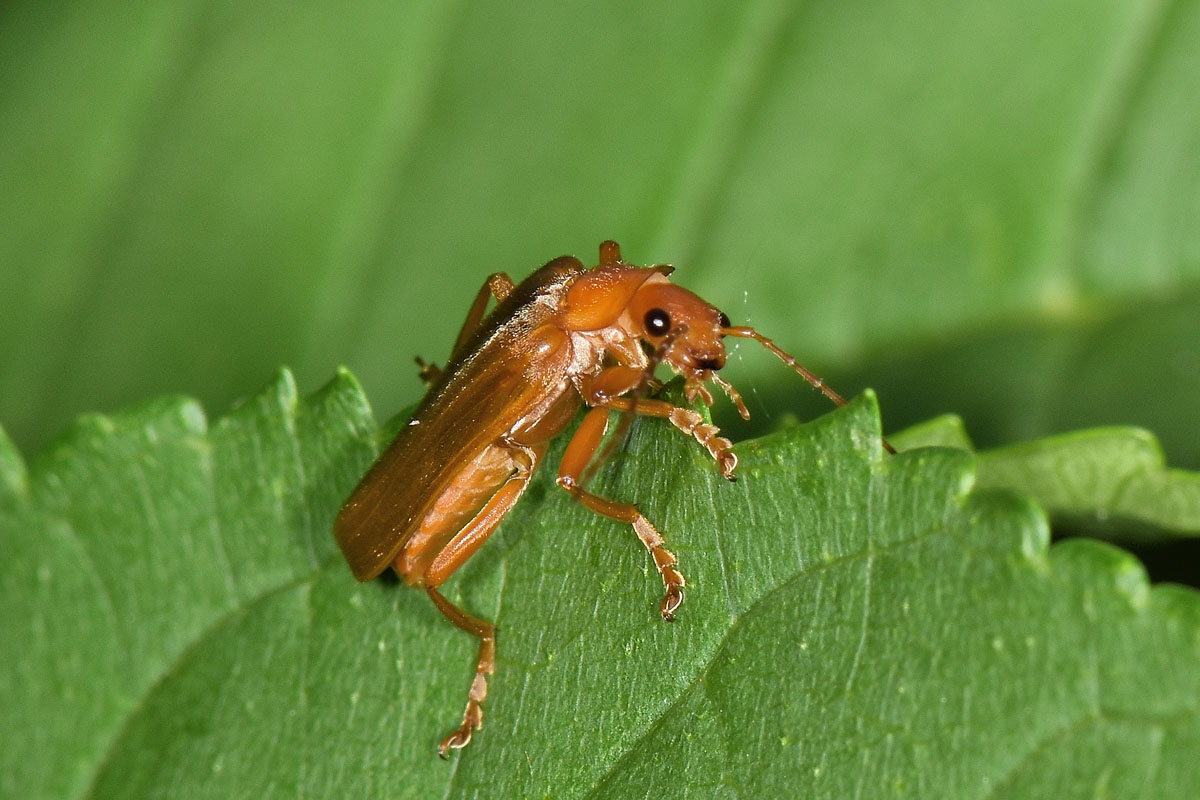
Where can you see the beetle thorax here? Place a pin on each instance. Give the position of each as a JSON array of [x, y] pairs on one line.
[[589, 348]]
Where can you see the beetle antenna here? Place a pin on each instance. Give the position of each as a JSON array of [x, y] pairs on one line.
[[746, 332]]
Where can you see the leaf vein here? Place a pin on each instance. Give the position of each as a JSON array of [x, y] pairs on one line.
[[765, 599]]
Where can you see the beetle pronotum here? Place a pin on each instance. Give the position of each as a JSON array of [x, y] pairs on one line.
[[564, 337]]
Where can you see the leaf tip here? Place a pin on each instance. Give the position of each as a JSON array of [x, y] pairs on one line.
[[346, 386], [283, 387], [947, 430], [1120, 570], [345, 392], [1025, 529]]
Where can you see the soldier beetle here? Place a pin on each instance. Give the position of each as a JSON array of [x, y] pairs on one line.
[[564, 337]]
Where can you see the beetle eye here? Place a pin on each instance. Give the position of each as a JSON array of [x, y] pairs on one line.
[[658, 322], [723, 320]]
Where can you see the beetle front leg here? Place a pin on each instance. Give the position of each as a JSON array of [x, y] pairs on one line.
[[689, 422], [605, 390], [580, 450]]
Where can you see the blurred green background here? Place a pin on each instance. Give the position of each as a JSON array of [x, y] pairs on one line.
[[983, 208]]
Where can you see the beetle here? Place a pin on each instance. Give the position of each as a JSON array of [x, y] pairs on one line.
[[563, 338]]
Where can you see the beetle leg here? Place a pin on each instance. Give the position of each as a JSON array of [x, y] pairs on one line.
[[580, 450], [429, 373], [475, 533], [604, 390], [484, 666], [454, 555], [610, 382], [622, 378], [499, 286], [689, 422]]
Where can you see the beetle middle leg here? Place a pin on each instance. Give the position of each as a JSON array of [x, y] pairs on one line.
[[580, 450], [499, 286]]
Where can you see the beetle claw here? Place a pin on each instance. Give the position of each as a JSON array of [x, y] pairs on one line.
[[456, 741], [671, 602], [429, 373], [728, 462], [460, 738]]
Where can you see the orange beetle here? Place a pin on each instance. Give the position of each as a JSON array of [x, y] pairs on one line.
[[563, 337]]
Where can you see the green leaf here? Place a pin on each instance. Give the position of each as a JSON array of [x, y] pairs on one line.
[[1104, 479], [1111, 482], [1133, 365], [195, 193], [136, 543], [177, 623]]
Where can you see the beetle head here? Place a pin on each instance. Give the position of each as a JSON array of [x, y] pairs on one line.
[[683, 327], [686, 333]]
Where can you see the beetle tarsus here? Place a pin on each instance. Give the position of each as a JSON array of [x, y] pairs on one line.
[[707, 435], [429, 373], [727, 461], [664, 561]]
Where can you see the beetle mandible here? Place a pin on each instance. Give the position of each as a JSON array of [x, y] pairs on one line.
[[564, 337]]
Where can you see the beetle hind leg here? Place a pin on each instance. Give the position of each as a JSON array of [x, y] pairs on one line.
[[484, 666], [453, 555]]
